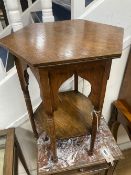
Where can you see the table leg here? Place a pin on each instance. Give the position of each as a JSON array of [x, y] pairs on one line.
[[24, 78], [15, 162], [45, 87], [113, 122], [93, 134], [21, 157]]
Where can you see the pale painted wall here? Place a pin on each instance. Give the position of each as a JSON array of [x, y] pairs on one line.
[[12, 105]]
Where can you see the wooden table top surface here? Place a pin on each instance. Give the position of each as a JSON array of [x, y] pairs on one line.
[[65, 42]]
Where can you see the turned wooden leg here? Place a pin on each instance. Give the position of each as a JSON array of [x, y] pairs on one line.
[[93, 133], [114, 114]]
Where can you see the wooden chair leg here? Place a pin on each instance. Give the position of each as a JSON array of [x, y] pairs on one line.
[[128, 130], [21, 157], [129, 133], [114, 129], [15, 162], [116, 119], [93, 134], [114, 114]]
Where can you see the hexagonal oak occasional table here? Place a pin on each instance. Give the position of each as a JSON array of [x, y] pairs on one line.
[[54, 52]]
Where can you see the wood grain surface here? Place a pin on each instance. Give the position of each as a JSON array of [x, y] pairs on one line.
[[65, 42], [72, 117]]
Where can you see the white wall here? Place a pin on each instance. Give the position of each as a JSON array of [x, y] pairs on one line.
[[111, 12], [12, 105]]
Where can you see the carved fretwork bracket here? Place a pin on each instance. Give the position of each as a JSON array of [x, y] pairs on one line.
[[97, 73]]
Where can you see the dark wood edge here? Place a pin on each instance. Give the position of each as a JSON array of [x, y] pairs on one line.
[[122, 108], [20, 156], [15, 170], [59, 63], [80, 60]]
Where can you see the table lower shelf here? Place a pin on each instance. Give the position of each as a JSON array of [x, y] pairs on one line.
[[72, 117]]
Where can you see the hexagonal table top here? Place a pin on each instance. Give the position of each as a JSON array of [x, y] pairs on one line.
[[65, 42]]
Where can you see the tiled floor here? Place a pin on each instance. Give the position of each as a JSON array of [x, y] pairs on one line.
[[28, 145]]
